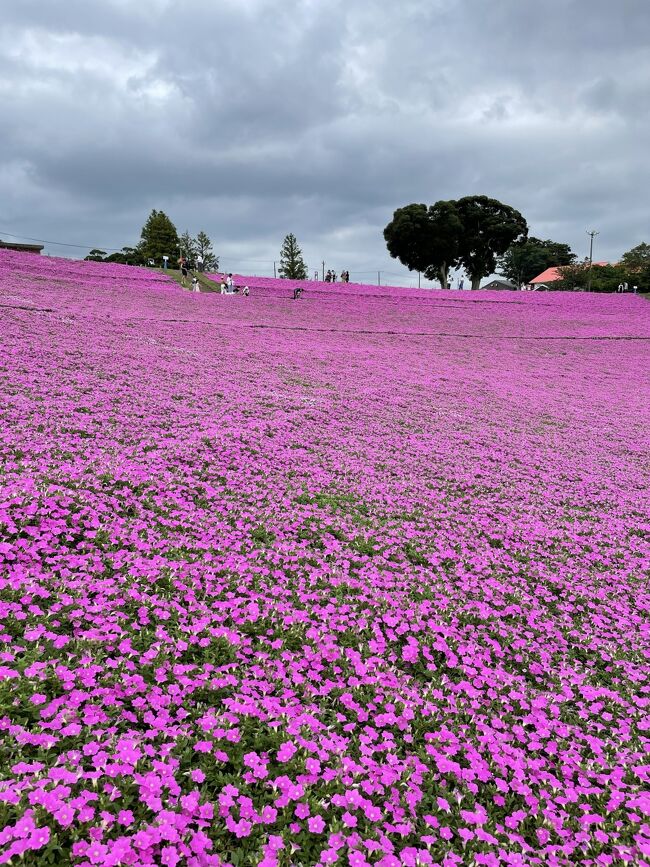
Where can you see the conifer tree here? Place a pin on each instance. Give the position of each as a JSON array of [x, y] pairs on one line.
[[204, 249], [292, 265], [188, 246], [159, 238]]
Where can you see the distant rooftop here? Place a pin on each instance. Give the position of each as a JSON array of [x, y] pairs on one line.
[[553, 274], [21, 248]]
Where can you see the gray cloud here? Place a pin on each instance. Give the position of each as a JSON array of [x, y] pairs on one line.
[[258, 117]]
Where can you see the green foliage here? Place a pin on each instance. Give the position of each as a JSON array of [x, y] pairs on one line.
[[367, 547], [188, 247], [636, 258], [525, 259], [489, 228], [204, 248], [292, 264], [159, 238], [574, 278], [262, 537], [604, 278], [95, 255], [414, 556], [425, 239], [127, 256], [192, 249], [636, 264], [470, 232]]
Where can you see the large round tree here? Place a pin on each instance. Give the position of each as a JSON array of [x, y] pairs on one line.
[[489, 228], [471, 232], [425, 239]]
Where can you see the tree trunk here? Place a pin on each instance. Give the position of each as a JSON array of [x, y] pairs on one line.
[[443, 271], [476, 283]]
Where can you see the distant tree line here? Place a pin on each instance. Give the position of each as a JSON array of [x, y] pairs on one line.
[[525, 260], [482, 236], [160, 238]]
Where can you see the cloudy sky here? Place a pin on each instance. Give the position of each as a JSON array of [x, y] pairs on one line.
[[253, 118]]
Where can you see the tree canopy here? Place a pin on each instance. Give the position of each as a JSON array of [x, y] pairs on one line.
[[204, 250], [126, 256], [525, 259], [292, 264], [636, 263], [576, 277], [187, 246], [471, 232], [489, 228], [159, 238], [425, 239], [95, 255]]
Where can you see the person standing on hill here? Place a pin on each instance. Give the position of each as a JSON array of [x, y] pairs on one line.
[[183, 272], [229, 284]]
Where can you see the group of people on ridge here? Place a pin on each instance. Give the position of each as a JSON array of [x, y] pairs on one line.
[[227, 283], [330, 277]]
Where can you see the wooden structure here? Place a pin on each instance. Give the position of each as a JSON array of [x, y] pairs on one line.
[[21, 248]]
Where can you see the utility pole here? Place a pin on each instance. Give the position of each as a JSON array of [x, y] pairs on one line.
[[419, 275], [378, 278], [323, 264], [274, 273], [592, 235]]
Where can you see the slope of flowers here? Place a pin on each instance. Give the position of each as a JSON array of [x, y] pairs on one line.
[[275, 286], [356, 581]]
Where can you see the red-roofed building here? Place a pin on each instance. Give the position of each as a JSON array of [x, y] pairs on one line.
[[551, 275], [546, 277]]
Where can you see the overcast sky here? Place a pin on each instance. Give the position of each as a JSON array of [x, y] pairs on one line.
[[253, 118]]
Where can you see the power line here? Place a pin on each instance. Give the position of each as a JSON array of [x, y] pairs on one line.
[[247, 261], [62, 243]]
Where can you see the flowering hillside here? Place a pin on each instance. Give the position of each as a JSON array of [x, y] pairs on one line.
[[358, 579], [284, 286]]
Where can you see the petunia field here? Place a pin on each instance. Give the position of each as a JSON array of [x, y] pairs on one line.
[[356, 579]]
